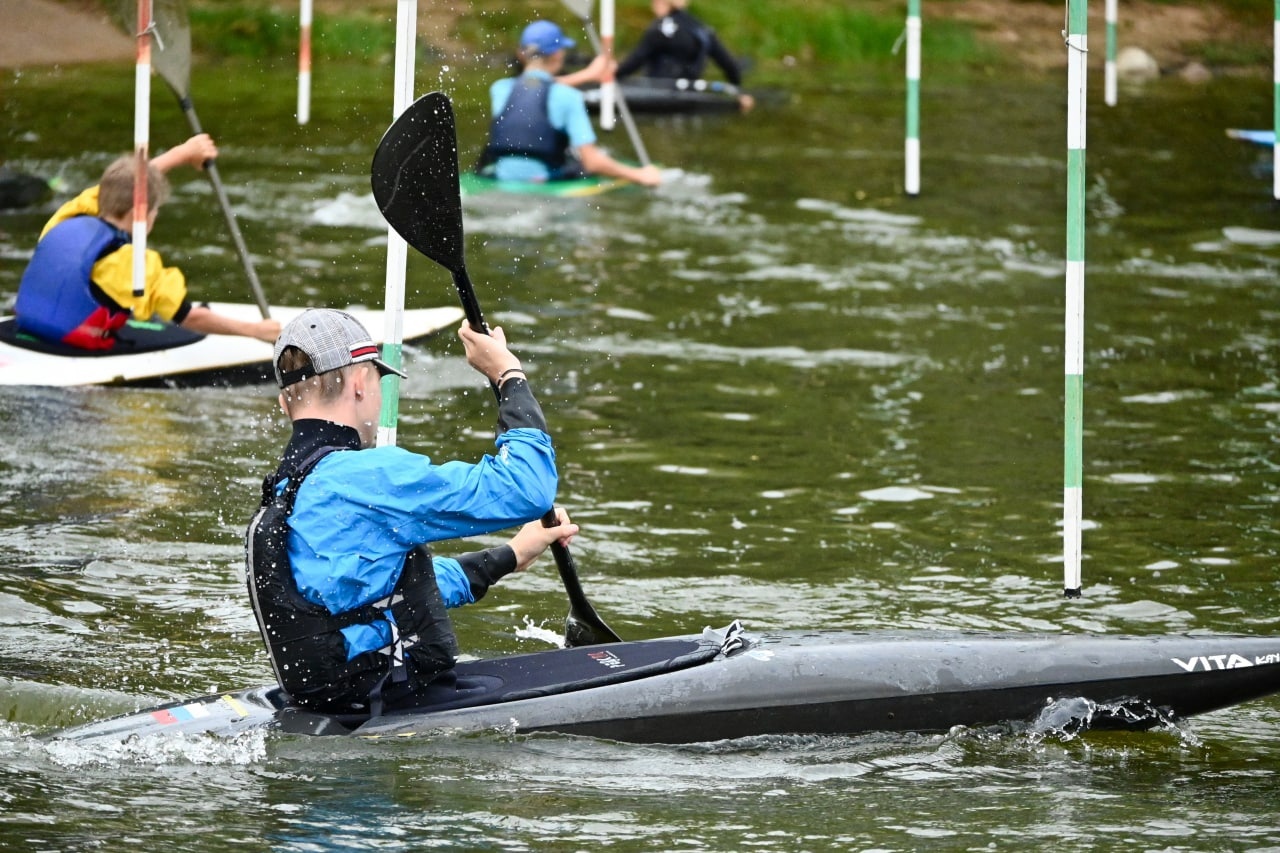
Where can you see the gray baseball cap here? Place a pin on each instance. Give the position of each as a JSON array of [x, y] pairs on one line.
[[332, 340]]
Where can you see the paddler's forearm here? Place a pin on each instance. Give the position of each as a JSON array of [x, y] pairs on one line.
[[517, 407], [207, 322]]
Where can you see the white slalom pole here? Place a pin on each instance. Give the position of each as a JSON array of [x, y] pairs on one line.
[[1110, 84], [304, 63], [141, 144], [912, 179], [1073, 433], [397, 249], [1275, 148], [608, 87]]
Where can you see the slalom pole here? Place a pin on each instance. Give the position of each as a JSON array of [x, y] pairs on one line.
[[912, 180], [141, 143], [304, 63], [397, 249], [608, 86], [1073, 433], [1110, 87], [1275, 148]]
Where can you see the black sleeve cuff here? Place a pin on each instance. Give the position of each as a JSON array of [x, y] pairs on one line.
[[517, 407], [485, 568]]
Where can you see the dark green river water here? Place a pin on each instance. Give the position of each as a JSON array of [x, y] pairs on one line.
[[780, 391]]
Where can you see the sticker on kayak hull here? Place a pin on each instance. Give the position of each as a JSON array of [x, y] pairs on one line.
[[195, 711], [1209, 663], [606, 659]]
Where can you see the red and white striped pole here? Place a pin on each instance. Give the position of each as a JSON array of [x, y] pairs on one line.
[[141, 142], [304, 63], [608, 86]]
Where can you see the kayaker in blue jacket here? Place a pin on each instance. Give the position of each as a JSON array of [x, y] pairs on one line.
[[540, 128], [677, 46], [350, 602]]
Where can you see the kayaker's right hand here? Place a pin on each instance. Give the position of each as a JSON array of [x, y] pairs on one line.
[[648, 176], [534, 539], [267, 330]]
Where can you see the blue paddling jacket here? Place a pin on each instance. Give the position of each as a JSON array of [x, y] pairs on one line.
[[348, 598]]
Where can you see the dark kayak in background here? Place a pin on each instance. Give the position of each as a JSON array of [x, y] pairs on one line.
[[654, 95], [19, 190], [729, 684]]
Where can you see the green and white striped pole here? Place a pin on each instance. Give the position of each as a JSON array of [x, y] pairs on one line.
[[397, 249], [912, 180], [1275, 148], [1073, 435], [1110, 89]]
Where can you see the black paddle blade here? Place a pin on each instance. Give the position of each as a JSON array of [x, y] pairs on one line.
[[583, 626], [415, 180], [577, 633], [415, 183]]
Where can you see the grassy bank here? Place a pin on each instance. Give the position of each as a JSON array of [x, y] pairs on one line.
[[833, 34]]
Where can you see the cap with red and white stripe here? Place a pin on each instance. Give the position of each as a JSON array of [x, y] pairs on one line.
[[332, 340]]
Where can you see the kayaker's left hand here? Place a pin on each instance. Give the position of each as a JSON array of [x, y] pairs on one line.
[[595, 72]]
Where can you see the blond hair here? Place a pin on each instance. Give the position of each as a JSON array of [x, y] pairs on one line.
[[115, 190], [324, 387]]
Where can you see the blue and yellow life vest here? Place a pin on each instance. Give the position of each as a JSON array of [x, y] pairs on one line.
[[55, 297]]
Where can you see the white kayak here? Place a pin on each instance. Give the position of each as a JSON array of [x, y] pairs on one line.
[[161, 353]]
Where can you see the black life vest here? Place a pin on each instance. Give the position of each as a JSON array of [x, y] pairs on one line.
[[304, 640], [522, 128]]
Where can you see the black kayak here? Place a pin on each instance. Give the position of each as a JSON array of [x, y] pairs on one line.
[[729, 684], [656, 95], [19, 189]]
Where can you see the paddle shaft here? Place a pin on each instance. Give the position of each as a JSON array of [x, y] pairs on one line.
[[415, 184], [211, 169], [627, 121], [173, 64], [580, 608]]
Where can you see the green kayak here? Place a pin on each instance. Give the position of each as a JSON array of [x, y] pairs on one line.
[[473, 184]]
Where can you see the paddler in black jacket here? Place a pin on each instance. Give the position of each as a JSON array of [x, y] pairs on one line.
[[677, 46]]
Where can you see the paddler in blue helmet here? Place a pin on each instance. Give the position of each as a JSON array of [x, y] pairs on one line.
[[540, 129], [350, 602]]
